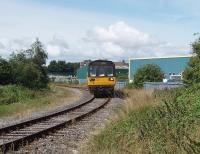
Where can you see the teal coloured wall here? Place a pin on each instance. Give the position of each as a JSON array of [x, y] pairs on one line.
[[82, 72], [171, 65], [122, 74]]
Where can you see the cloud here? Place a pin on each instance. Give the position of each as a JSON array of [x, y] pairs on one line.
[[115, 42], [121, 34], [121, 40], [57, 46], [9, 45], [59, 40], [2, 46]]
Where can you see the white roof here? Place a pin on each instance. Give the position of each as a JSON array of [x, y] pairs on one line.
[[180, 56]]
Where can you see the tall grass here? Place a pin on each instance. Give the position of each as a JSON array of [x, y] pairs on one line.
[[17, 100], [12, 94], [159, 122]]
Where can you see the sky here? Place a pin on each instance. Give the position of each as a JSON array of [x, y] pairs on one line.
[[75, 30]]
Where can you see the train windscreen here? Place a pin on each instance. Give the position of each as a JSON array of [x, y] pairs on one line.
[[101, 71]]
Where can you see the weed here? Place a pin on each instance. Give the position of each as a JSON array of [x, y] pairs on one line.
[[17, 100], [153, 122]]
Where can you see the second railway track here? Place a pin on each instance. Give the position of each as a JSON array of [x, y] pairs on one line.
[[14, 136]]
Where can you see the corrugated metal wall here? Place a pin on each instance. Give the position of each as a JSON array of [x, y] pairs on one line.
[[173, 65]]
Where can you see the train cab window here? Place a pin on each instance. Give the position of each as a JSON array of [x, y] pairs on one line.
[[93, 71], [101, 71], [109, 71]]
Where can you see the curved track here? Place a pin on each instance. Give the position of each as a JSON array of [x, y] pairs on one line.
[[20, 134]]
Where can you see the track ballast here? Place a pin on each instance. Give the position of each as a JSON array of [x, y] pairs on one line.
[[20, 134]]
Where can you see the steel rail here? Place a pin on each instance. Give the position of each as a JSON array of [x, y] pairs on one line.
[[16, 143], [25, 123]]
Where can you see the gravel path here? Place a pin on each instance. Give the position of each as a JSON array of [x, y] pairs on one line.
[[69, 139], [78, 96]]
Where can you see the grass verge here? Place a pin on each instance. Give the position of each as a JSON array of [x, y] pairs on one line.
[[17, 100], [159, 122]]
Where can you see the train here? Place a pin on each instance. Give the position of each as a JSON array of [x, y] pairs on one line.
[[101, 77]]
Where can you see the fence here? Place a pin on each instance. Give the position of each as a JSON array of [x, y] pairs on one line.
[[161, 85], [62, 78], [82, 81], [120, 84]]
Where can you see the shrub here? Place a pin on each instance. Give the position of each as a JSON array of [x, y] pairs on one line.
[[27, 67], [148, 73], [191, 74], [5, 72], [170, 125], [130, 85], [32, 77]]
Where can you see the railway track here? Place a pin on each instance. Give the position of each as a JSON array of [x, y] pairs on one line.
[[14, 136]]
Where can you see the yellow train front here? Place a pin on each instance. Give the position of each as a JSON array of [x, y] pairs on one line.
[[101, 77]]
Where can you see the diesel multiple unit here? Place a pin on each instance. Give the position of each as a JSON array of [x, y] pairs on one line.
[[101, 77]]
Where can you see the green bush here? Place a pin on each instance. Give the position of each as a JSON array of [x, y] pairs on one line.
[[172, 126], [130, 85], [5, 72], [148, 73], [27, 67], [191, 74], [32, 77]]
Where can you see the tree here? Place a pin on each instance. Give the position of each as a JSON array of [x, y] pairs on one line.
[[148, 73], [5, 72], [63, 68], [32, 77], [28, 67], [38, 53], [52, 67], [191, 75]]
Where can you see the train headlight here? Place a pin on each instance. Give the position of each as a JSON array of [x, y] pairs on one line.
[[92, 79], [111, 79]]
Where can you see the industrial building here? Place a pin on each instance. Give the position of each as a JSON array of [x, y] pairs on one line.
[[173, 67], [81, 74]]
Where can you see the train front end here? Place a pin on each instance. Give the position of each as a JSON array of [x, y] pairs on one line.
[[101, 77]]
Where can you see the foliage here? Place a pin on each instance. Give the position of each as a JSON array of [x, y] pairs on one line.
[[171, 126], [38, 53], [62, 68], [27, 67], [5, 71], [191, 74], [20, 101], [12, 94], [32, 77], [148, 73], [130, 85]]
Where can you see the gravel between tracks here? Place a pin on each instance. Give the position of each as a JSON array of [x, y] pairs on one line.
[[69, 139], [79, 95]]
